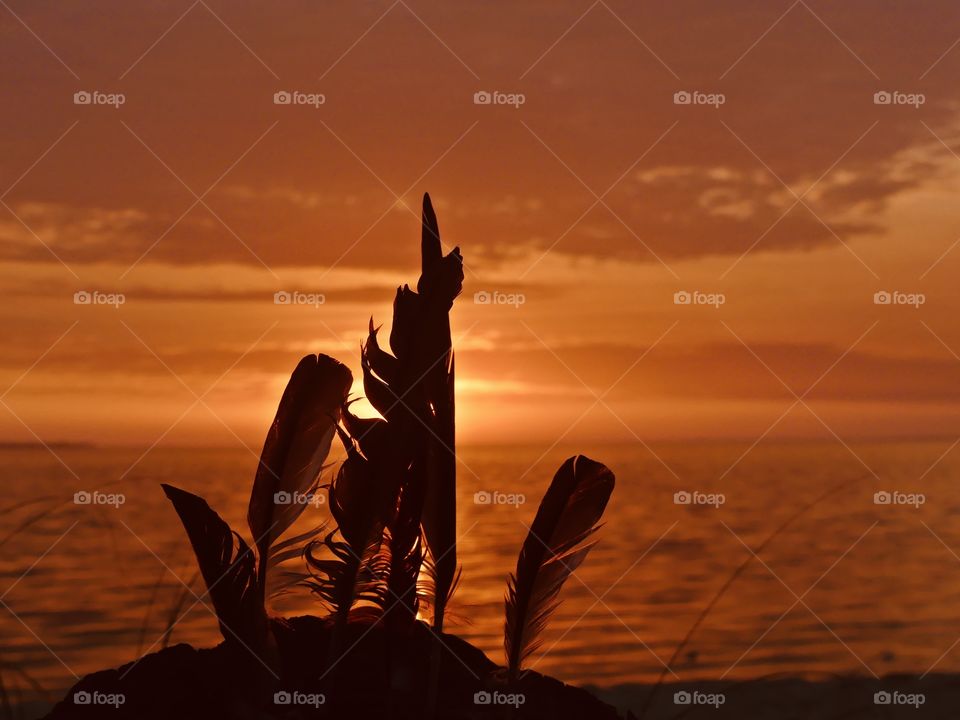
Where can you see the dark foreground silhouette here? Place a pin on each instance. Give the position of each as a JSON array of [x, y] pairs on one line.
[[182, 682], [389, 559]]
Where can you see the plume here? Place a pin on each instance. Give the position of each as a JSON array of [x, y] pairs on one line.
[[293, 454], [441, 280], [555, 546], [413, 389], [228, 568], [360, 505]]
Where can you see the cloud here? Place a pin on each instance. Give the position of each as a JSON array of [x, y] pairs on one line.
[[721, 371], [317, 188]]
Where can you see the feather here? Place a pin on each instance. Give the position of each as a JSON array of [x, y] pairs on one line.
[[406, 311], [431, 251], [294, 451], [361, 501], [406, 545], [413, 390], [280, 580], [440, 282], [383, 397], [441, 277], [228, 568], [381, 362], [347, 578], [555, 546], [372, 435], [439, 517], [406, 557]]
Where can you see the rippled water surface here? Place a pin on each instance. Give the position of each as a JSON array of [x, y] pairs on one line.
[[850, 587]]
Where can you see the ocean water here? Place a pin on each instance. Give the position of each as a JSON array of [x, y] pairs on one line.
[[852, 586]]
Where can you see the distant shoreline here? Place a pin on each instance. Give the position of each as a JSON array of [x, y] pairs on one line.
[[799, 441], [57, 445]]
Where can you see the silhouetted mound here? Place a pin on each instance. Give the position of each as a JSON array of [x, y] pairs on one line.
[[229, 682]]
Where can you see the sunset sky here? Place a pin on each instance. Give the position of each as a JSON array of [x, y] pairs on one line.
[[597, 199]]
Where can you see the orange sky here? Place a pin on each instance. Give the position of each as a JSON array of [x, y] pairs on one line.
[[597, 199]]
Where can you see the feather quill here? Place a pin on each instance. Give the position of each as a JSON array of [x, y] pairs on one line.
[[557, 543]]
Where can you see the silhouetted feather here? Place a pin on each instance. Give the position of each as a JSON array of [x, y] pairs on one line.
[[384, 398], [358, 502], [228, 568], [295, 449], [441, 280], [406, 312], [555, 546], [372, 435], [441, 277], [361, 502], [381, 362], [347, 578], [415, 395], [427, 585], [406, 548], [280, 581], [439, 517], [431, 250]]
